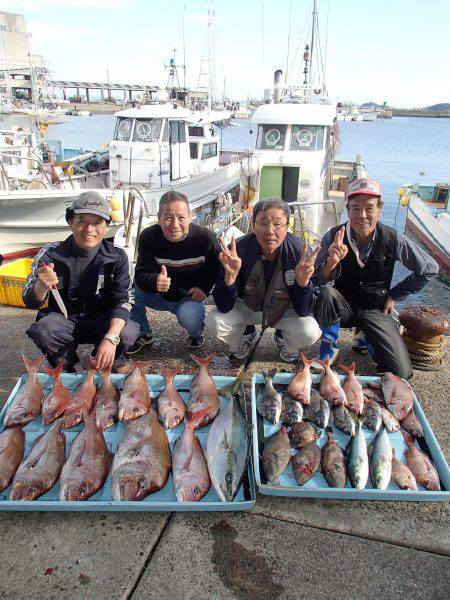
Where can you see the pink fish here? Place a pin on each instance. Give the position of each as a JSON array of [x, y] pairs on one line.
[[330, 387], [300, 387], [135, 399], [57, 400], [82, 398], [203, 393], [353, 390], [171, 407], [106, 402], [12, 446], [397, 395], [412, 425], [420, 466], [26, 405]]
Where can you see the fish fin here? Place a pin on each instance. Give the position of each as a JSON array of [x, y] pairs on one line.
[[56, 372], [348, 368], [33, 365], [203, 361], [373, 385], [105, 373], [409, 439], [225, 444], [188, 461]]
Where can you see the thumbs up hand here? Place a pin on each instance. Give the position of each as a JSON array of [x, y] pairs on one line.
[[162, 281]]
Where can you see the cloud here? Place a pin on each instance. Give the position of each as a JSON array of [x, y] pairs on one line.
[[54, 30], [19, 5], [198, 17]]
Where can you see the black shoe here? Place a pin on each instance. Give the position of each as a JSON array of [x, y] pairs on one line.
[[121, 366], [144, 340], [70, 360], [195, 343]]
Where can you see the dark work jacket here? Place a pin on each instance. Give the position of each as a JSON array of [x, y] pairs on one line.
[[250, 252], [368, 287], [106, 281]]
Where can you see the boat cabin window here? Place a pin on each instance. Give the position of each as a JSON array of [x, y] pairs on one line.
[[271, 137], [196, 131], [307, 137], [177, 132], [147, 130], [209, 150], [193, 149], [165, 137], [124, 126]]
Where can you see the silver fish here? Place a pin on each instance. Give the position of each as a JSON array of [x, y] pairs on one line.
[[269, 402], [318, 411], [381, 460], [372, 415], [358, 461], [227, 448], [342, 420], [291, 410], [389, 420]]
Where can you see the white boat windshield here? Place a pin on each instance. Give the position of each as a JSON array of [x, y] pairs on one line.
[[307, 137], [271, 137], [137, 130]]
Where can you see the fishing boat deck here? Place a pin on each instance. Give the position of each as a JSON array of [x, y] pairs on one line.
[[284, 548]]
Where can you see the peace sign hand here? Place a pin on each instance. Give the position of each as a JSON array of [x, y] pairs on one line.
[[305, 266], [230, 261], [337, 251]]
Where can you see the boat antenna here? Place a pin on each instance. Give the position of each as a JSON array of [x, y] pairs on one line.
[[184, 49], [209, 54], [262, 53], [288, 43]]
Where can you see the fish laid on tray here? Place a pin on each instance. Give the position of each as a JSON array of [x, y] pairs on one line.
[[401, 474], [421, 466], [87, 466], [276, 454], [342, 420], [291, 410], [412, 425], [397, 395], [135, 399], [190, 470], [57, 400], [142, 461], [353, 390], [171, 407], [26, 404], [106, 402], [330, 386], [380, 460], [333, 462], [306, 463], [42, 467], [203, 393], [300, 387], [357, 459], [372, 418], [82, 398], [302, 434], [269, 402], [318, 411], [12, 446], [227, 450]]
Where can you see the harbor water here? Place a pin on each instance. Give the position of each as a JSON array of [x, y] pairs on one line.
[[395, 151]]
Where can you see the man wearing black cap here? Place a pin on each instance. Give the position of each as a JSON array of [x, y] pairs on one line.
[[94, 281], [354, 269]]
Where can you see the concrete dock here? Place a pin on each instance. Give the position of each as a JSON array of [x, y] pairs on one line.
[[283, 549]]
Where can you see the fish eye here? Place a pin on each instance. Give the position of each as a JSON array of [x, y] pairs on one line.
[[228, 477], [141, 483], [196, 491]]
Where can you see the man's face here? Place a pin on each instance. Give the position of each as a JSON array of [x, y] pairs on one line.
[[88, 230], [174, 220], [270, 228], [363, 213]]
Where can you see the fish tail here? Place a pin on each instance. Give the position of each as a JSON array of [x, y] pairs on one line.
[[203, 361], [169, 374], [409, 439], [348, 368], [306, 361], [325, 363], [192, 420], [92, 365], [393, 452], [56, 372], [33, 365]]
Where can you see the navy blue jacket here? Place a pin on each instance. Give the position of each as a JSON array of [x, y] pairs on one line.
[[249, 250], [106, 282]]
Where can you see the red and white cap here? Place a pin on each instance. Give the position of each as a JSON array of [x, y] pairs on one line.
[[366, 186]]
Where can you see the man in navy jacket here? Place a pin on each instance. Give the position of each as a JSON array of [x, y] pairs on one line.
[[265, 279], [93, 279]]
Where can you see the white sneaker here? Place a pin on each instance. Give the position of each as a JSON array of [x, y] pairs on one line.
[[285, 354], [245, 345]]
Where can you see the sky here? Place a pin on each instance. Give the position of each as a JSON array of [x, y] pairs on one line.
[[392, 50]]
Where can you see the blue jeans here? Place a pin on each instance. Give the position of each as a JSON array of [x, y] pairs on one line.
[[190, 314]]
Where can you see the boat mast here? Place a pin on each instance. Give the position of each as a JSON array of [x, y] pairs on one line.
[[312, 42], [209, 54]]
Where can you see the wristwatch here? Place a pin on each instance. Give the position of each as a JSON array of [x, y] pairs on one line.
[[114, 339]]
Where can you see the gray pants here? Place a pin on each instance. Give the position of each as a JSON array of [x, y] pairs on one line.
[[388, 348], [54, 335], [298, 332]]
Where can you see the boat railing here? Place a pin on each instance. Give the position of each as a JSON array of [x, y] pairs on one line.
[[303, 225], [27, 158], [129, 202]]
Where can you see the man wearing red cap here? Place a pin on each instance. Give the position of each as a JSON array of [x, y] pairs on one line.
[[354, 269]]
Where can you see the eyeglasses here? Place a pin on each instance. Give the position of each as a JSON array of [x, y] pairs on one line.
[[267, 224], [83, 223]]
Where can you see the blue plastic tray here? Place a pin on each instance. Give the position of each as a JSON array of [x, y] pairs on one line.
[[165, 499], [317, 487]]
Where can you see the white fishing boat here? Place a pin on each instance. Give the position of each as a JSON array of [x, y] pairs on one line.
[[294, 155], [428, 217]]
